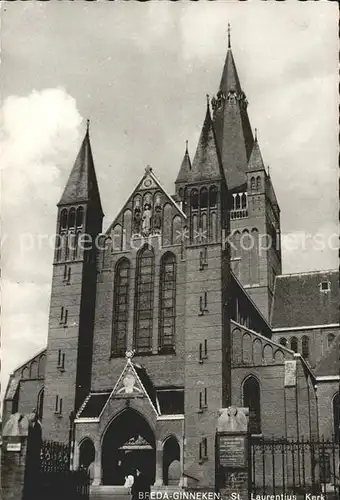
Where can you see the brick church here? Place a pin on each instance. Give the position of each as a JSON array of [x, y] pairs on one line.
[[180, 310]]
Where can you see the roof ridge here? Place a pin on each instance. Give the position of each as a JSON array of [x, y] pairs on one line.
[[308, 272]]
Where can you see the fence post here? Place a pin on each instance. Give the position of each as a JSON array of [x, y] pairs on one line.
[[232, 453]]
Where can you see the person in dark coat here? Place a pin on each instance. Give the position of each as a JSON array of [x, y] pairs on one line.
[[141, 486]]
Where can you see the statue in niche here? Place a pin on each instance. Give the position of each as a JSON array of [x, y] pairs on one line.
[[218, 101], [137, 218], [146, 219], [157, 218], [232, 97]]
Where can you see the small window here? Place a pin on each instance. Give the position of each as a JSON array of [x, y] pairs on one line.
[[194, 199], [330, 339], [204, 198], [325, 286], [305, 347], [294, 344], [283, 341], [213, 196]]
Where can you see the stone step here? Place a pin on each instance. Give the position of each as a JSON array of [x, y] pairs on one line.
[[109, 492]]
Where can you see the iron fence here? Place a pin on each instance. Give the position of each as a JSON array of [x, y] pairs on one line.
[[294, 466]]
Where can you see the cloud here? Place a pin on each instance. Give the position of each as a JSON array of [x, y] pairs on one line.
[[39, 138]]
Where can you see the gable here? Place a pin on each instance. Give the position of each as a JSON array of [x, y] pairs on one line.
[[134, 382], [150, 212]]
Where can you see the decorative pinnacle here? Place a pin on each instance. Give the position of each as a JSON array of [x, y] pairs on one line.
[[186, 146], [229, 45], [87, 125], [256, 135], [208, 99], [148, 169]]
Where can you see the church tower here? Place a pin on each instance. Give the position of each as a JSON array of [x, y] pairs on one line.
[[254, 211], [203, 191], [70, 336]]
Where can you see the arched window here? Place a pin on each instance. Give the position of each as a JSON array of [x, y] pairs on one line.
[[252, 184], [294, 344], [213, 196], [40, 404], [258, 183], [238, 202], [305, 347], [336, 416], [72, 217], [194, 199], [80, 216], [244, 200], [330, 339], [167, 304], [121, 308], [283, 341], [204, 198], [144, 300], [252, 400], [63, 219]]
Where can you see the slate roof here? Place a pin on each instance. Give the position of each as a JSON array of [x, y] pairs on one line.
[[233, 131], [299, 302], [82, 183], [207, 162], [330, 361], [93, 405], [185, 168], [256, 160]]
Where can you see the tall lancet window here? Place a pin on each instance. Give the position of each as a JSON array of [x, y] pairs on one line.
[[121, 308], [144, 300], [252, 400], [167, 304]]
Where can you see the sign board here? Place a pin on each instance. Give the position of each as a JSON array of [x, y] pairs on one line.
[[290, 373], [232, 451], [13, 446]]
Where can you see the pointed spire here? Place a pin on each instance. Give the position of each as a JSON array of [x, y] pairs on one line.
[[255, 160], [231, 123], [207, 163], [185, 169], [82, 183]]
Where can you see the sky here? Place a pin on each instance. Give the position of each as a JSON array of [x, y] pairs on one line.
[[140, 72]]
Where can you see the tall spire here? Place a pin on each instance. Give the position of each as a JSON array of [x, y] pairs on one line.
[[184, 171], [82, 183], [207, 162], [231, 123]]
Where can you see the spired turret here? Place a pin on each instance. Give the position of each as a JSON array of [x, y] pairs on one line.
[[70, 336]]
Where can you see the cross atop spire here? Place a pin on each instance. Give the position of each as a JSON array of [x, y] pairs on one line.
[[87, 125], [229, 44]]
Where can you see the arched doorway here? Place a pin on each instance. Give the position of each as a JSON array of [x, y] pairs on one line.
[[128, 444], [171, 462], [86, 453]]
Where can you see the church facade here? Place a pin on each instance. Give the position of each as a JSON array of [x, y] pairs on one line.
[[180, 310]]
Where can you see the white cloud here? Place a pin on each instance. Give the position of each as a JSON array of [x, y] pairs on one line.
[[39, 137]]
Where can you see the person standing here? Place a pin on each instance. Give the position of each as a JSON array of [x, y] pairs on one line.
[[141, 486]]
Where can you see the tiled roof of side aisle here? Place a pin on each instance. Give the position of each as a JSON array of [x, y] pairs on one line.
[[306, 299], [329, 363]]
